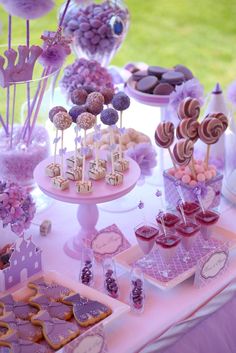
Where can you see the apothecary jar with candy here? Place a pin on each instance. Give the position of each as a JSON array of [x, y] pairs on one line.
[[97, 28]]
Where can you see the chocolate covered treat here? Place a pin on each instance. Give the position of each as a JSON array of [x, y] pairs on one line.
[[157, 71], [173, 77], [138, 75], [163, 89], [147, 84]]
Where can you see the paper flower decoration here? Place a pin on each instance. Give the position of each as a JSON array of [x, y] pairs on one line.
[[145, 155], [27, 9], [17, 208], [191, 88]]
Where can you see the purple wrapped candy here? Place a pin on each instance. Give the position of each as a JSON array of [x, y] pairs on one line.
[[86, 121], [76, 110], [109, 116], [95, 103], [55, 110], [62, 120], [79, 96], [121, 101], [108, 94]]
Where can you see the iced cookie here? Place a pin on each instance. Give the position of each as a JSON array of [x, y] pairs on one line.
[[56, 332], [87, 312], [55, 309], [17, 345], [24, 328], [21, 310], [52, 291]]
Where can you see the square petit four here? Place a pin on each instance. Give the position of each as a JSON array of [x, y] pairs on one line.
[[114, 178], [60, 183], [70, 161], [101, 163], [97, 173], [53, 169], [84, 187], [74, 174], [121, 165]]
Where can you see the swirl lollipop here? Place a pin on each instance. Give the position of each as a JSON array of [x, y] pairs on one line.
[[188, 128], [164, 136], [189, 108], [221, 117], [183, 152], [62, 121], [210, 130], [85, 121]]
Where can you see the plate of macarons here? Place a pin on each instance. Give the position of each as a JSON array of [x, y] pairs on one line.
[[154, 85]]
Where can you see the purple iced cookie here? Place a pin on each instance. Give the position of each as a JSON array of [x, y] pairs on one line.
[[173, 77], [163, 89], [53, 291], [188, 75], [157, 71], [109, 116], [147, 84], [21, 310], [18, 345], [138, 75], [56, 309]]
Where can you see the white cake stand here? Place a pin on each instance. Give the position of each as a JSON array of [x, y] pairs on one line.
[[87, 214]]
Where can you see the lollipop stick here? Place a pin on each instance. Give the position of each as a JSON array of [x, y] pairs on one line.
[[76, 147], [120, 149], [112, 155], [182, 212], [193, 168], [55, 147], [83, 166], [172, 158], [62, 153], [207, 155], [200, 203], [96, 154]]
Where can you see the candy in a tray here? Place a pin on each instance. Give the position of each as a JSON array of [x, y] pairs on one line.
[[84, 187], [45, 227], [101, 163], [121, 165], [60, 183], [74, 174], [70, 161], [114, 178], [53, 170], [97, 173]]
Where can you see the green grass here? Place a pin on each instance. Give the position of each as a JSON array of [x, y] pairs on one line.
[[200, 34]]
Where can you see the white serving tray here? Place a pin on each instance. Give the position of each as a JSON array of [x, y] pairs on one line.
[[126, 258], [118, 308]]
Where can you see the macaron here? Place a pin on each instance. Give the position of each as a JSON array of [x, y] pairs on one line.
[[163, 89], [173, 77], [157, 71], [147, 84], [188, 75], [138, 75]]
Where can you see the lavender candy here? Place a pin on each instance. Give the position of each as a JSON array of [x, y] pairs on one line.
[[137, 295], [121, 101], [110, 284], [55, 110], [109, 116], [76, 110], [86, 275]]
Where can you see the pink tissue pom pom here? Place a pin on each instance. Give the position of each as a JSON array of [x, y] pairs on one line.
[[28, 9], [53, 56]]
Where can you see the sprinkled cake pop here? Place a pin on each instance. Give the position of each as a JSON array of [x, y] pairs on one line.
[[86, 121], [108, 94], [164, 136], [109, 116], [79, 96], [55, 110], [76, 110], [94, 103], [189, 108]]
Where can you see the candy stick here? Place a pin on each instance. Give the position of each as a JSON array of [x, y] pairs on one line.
[[62, 153], [28, 45], [120, 149], [161, 212], [172, 158], [3, 124], [76, 146], [179, 190], [180, 204], [197, 192], [84, 155], [111, 144], [55, 147], [64, 13], [207, 155]]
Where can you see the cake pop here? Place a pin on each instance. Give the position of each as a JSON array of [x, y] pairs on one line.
[[94, 103], [79, 96]]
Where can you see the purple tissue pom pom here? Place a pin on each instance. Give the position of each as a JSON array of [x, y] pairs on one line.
[[109, 116], [28, 9], [53, 56]]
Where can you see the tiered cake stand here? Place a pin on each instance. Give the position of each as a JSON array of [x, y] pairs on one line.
[[87, 214]]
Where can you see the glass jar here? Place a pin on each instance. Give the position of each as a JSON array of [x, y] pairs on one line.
[[97, 28]]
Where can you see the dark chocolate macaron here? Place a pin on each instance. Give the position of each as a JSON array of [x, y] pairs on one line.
[[188, 75], [157, 71], [138, 75], [163, 89], [173, 77], [147, 84]]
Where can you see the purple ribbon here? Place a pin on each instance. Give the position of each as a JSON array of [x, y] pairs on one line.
[[112, 147], [158, 193], [62, 151], [56, 140], [122, 130], [141, 205], [78, 139], [84, 151]]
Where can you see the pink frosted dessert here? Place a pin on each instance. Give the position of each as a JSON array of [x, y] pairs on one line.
[[206, 220], [146, 235], [167, 245], [188, 232], [170, 220], [190, 209], [18, 163]]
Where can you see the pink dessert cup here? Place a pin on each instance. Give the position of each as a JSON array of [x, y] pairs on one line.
[[190, 209], [189, 232], [170, 221], [146, 234], [167, 246], [207, 220]]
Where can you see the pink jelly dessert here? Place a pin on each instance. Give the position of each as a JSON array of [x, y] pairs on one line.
[[189, 208], [169, 219], [206, 220], [188, 232], [167, 245], [146, 235]]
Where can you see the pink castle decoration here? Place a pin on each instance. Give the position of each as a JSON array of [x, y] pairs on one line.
[[20, 64], [25, 261]]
